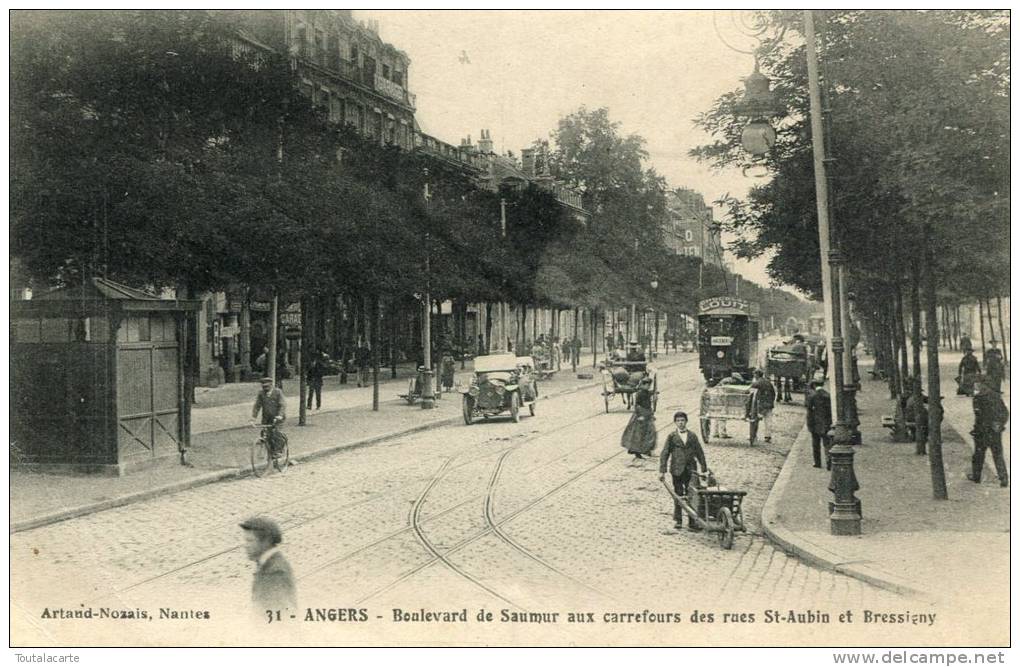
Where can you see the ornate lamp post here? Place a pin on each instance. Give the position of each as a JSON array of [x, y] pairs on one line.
[[757, 138], [655, 311], [428, 397]]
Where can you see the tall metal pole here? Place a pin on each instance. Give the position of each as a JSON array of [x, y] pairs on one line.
[[844, 511], [428, 398]]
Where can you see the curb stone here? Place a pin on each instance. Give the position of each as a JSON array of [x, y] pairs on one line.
[[237, 473], [790, 542]]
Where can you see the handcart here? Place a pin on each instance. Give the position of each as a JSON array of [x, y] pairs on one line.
[[716, 510]]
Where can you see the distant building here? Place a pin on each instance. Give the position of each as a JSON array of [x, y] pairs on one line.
[[689, 228], [343, 66]]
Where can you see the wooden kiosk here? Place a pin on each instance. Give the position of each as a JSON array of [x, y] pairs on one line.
[[97, 378]]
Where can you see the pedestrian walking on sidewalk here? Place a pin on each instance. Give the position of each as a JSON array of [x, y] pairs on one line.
[[681, 455], [273, 587], [819, 421], [766, 403], [639, 436], [968, 370], [316, 369], [995, 368], [990, 417]]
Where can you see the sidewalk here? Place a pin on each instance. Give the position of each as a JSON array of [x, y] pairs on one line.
[[221, 439], [954, 551]]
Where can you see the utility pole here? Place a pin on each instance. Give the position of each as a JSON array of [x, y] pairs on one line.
[[845, 510]]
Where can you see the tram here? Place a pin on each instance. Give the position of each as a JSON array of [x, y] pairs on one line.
[[727, 337]]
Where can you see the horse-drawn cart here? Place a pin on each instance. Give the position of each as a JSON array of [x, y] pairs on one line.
[[623, 378]]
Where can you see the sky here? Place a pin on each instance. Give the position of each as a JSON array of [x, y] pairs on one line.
[[516, 73]]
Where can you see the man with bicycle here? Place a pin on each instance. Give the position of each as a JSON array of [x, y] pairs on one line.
[[274, 411]]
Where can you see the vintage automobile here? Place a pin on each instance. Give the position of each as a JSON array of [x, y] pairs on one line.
[[502, 383], [790, 362]]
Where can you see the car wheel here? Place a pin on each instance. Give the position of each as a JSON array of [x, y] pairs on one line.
[[469, 409], [515, 407]]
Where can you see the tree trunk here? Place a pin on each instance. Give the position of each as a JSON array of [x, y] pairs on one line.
[[373, 329], [981, 323], [901, 339], [303, 342], [920, 439], [938, 473], [487, 343], [573, 354], [1005, 338], [891, 351], [394, 321]]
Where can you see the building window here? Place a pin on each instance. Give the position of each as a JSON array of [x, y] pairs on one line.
[[354, 54], [386, 71], [398, 77], [320, 47], [302, 41], [333, 52], [336, 109]]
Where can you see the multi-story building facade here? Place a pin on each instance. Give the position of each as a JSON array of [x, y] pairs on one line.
[[689, 228], [344, 67]]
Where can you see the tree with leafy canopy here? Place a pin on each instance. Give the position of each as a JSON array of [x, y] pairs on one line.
[[921, 177]]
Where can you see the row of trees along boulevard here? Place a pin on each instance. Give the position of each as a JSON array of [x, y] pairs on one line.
[[124, 165], [920, 172]]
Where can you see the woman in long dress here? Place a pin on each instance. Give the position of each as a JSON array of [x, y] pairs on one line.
[[639, 436]]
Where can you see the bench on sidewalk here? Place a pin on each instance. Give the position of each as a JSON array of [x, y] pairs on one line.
[[889, 422]]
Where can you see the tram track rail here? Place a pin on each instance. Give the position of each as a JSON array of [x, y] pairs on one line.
[[492, 526]]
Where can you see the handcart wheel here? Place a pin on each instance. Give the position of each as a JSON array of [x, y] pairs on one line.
[[706, 429], [725, 518]]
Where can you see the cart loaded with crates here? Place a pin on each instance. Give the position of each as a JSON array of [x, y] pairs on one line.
[[713, 508], [729, 402]]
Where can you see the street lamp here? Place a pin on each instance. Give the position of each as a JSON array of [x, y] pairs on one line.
[[758, 104], [428, 397], [655, 311]]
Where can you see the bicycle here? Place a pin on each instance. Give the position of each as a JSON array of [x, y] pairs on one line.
[[262, 453]]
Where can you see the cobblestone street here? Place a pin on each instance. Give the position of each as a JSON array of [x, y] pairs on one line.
[[546, 516]]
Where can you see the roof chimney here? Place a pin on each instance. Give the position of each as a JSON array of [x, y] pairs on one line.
[[485, 142], [528, 162]]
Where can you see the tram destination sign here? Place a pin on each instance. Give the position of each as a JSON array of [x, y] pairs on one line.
[[727, 303]]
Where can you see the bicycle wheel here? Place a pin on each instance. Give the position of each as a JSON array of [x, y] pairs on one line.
[[282, 460], [260, 457]]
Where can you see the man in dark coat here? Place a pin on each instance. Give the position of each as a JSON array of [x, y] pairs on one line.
[[969, 368], [316, 369], [766, 402], [681, 455], [819, 421], [995, 368], [273, 587], [990, 416]]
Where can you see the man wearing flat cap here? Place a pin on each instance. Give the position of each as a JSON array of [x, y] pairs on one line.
[[273, 586]]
